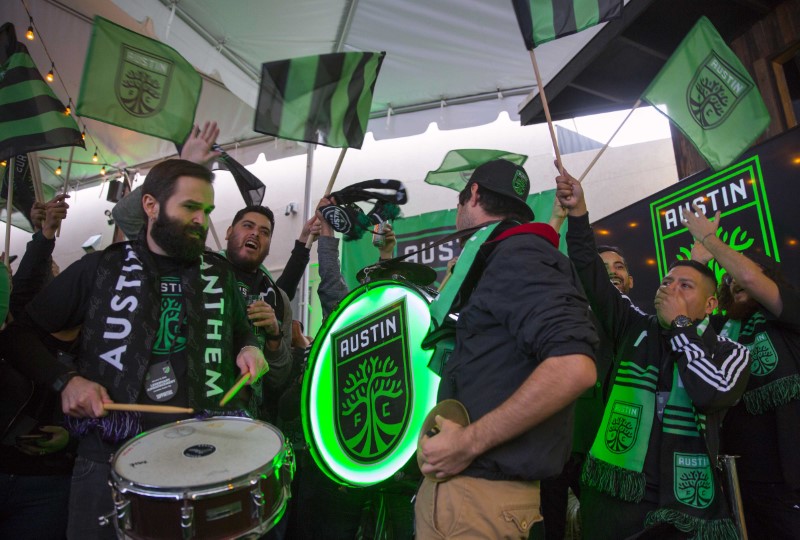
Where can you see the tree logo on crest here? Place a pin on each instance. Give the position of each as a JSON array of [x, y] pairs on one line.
[[520, 183], [762, 353], [142, 82], [715, 90], [372, 372], [693, 483], [623, 427]]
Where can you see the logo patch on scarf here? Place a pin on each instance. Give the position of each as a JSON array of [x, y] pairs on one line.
[[693, 483], [168, 337], [763, 355], [371, 372], [623, 426]]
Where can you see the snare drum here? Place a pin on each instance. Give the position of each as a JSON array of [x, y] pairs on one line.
[[208, 479]]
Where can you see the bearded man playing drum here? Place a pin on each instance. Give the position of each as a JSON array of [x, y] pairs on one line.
[[162, 322], [524, 352]]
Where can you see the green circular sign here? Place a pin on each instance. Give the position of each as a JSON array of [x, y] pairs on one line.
[[368, 387]]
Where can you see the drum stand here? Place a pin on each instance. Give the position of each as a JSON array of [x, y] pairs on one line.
[[728, 465]]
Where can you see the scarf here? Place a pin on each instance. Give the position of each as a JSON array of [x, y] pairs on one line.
[[123, 319], [773, 382], [690, 498]]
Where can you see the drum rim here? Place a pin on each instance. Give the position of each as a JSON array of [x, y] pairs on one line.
[[125, 485]]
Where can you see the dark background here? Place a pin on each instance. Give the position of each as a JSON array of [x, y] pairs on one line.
[[780, 168]]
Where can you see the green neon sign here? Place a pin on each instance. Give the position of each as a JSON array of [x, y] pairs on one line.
[[738, 192], [368, 387]]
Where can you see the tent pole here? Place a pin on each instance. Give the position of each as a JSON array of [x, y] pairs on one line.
[[546, 109], [603, 149], [305, 303], [12, 163]]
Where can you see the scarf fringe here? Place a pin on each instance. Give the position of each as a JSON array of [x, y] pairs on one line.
[[712, 529], [612, 480], [772, 395]]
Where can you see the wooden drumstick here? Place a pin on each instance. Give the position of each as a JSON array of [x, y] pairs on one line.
[[234, 390], [138, 407]]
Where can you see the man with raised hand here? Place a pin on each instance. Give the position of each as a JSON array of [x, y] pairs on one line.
[[652, 464], [763, 429]]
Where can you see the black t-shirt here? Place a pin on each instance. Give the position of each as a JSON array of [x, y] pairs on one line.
[[65, 306]]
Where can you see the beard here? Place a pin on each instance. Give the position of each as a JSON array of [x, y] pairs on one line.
[[177, 239], [741, 311]]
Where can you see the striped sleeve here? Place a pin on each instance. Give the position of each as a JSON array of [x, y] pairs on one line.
[[719, 373]]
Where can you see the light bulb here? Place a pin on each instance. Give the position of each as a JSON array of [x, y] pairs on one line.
[[103, 170], [58, 169], [94, 157], [50, 76], [29, 34]]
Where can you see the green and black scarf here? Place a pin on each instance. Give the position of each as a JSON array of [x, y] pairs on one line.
[[690, 498], [122, 322], [773, 382]]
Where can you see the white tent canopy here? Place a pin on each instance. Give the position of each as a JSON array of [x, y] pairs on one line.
[[460, 62]]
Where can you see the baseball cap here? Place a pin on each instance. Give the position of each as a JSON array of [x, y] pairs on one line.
[[507, 179]]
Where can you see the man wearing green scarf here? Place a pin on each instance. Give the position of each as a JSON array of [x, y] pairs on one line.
[[651, 468], [762, 429]]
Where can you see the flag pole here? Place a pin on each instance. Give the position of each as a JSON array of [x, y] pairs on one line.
[[66, 184], [603, 149], [36, 177], [546, 109], [329, 188], [9, 198]]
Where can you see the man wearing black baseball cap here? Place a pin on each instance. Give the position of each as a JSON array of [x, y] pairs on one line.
[[524, 351]]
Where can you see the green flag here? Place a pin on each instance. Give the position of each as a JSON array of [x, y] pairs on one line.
[[541, 21], [707, 93], [138, 83], [458, 165], [31, 116], [322, 99]]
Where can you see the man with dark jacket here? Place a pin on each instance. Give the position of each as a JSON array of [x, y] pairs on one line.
[[524, 351], [162, 322], [762, 429], [652, 464]]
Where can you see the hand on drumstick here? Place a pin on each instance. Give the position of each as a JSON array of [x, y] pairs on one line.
[[82, 397], [251, 360]]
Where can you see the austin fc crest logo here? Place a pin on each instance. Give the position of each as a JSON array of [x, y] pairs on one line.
[[373, 391]]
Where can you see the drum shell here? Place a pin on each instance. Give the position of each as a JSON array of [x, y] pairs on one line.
[[224, 510]]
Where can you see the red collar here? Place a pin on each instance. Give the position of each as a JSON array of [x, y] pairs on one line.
[[539, 229]]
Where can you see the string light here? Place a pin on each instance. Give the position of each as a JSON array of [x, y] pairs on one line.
[[52, 75], [103, 170], [58, 169], [3, 163]]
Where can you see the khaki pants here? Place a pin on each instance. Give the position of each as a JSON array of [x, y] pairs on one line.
[[466, 507]]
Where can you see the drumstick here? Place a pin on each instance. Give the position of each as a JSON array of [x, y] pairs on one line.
[[234, 390], [138, 407]]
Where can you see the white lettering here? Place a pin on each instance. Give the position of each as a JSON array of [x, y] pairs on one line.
[[211, 387], [129, 302], [125, 324], [114, 357]]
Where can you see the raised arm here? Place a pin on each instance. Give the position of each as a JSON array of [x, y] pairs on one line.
[[747, 274]]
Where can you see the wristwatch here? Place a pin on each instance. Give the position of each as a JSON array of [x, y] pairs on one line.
[[61, 382], [681, 321]]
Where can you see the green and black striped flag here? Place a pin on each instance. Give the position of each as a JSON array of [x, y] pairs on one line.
[[31, 116], [541, 21], [323, 99]]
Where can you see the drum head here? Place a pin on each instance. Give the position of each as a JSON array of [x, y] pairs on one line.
[[195, 453], [368, 386]]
